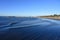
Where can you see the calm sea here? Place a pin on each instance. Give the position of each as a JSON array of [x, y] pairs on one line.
[[28, 28]]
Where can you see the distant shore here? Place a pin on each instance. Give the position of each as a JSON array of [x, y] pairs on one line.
[[51, 17], [47, 17]]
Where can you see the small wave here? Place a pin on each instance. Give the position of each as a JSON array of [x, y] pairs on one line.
[[41, 22]]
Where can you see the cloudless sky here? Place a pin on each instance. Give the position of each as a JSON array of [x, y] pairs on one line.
[[29, 7]]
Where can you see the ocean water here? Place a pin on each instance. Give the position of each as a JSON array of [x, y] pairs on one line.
[[27, 28]]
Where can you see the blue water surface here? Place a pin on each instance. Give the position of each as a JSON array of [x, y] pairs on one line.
[[28, 28]]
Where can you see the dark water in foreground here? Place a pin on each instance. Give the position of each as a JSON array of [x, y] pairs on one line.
[[29, 29]]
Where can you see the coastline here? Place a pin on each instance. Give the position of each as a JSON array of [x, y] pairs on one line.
[[51, 17]]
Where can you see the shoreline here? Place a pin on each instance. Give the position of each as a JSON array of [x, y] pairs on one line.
[[50, 17]]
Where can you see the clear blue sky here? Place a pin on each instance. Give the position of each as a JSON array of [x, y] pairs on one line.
[[29, 7]]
